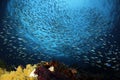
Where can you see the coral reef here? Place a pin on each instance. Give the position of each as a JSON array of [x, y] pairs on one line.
[[53, 70], [19, 74], [44, 70]]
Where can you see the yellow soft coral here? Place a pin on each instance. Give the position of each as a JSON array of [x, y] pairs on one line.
[[19, 74], [2, 71]]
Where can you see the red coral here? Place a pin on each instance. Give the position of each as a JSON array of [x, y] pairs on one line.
[[61, 72]]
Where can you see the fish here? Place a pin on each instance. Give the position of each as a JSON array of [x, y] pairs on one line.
[[51, 30], [104, 60]]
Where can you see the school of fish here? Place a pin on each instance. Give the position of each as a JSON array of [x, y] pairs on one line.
[[35, 30]]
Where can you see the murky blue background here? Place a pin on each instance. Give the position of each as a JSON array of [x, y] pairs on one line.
[[71, 31]]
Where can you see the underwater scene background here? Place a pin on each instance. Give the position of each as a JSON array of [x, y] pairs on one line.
[[83, 33]]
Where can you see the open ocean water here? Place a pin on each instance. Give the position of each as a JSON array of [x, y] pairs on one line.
[[81, 32]]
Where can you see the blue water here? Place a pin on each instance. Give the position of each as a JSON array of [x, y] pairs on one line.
[[60, 29], [56, 24]]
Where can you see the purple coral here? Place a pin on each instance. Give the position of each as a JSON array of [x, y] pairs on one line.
[[45, 74]]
